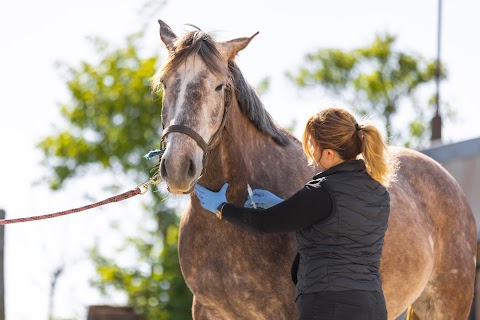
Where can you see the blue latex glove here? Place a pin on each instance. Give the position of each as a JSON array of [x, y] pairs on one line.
[[210, 200], [263, 199]]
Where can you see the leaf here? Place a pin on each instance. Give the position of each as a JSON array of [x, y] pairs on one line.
[[377, 79]]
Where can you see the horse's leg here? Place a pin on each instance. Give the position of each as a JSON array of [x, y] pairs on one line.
[[449, 292], [447, 296], [411, 315], [200, 312]]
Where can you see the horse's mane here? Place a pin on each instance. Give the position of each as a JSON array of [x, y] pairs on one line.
[[201, 43], [253, 108]]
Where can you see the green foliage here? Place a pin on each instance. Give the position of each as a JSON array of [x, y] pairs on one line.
[[376, 79], [110, 123], [153, 286], [112, 117]]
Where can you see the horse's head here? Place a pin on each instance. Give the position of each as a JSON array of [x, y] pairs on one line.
[[196, 92]]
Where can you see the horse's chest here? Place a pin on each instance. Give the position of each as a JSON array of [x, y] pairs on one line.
[[222, 264], [212, 257]]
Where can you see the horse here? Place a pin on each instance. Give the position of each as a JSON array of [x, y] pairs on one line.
[[217, 130]]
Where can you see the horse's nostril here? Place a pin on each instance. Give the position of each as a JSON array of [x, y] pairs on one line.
[[191, 169], [163, 169]]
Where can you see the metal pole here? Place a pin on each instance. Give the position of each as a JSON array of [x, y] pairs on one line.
[[437, 120], [439, 45]]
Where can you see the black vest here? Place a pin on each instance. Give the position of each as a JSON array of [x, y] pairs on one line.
[[343, 252]]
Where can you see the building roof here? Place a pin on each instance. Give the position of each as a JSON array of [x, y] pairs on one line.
[[454, 151]]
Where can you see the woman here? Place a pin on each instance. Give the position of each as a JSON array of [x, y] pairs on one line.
[[340, 218]]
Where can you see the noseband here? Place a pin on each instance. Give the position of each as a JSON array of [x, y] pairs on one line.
[[206, 147]]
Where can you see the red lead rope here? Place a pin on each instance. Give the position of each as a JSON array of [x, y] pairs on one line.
[[116, 198]]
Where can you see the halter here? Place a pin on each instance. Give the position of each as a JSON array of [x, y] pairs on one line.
[[206, 147]]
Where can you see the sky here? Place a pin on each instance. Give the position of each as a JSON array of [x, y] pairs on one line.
[[34, 35]]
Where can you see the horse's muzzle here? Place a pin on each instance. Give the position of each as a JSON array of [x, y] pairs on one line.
[[180, 175]]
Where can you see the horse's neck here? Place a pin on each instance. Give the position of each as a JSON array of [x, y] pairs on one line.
[[246, 155]]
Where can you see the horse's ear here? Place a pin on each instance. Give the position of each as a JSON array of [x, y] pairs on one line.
[[232, 47], [167, 35]]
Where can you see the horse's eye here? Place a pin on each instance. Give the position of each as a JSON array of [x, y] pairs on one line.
[[219, 87]]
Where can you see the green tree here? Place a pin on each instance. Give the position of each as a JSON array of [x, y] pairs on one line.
[[111, 120], [375, 79]]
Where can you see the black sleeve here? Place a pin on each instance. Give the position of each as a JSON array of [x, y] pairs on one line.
[[309, 205]]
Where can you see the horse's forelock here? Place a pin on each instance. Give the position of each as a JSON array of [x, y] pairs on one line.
[[195, 42]]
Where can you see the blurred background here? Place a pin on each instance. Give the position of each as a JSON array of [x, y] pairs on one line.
[[77, 115]]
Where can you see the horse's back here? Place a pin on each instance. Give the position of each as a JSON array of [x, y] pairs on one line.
[[430, 246]]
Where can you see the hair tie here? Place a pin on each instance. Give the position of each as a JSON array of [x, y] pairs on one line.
[[357, 127]]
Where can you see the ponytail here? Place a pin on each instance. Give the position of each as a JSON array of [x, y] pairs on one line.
[[374, 153]]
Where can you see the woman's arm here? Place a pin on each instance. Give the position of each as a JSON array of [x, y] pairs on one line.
[[307, 206]]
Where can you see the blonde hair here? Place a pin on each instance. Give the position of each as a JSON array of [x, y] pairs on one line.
[[337, 129]]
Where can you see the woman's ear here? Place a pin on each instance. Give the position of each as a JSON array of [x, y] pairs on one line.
[[330, 154]]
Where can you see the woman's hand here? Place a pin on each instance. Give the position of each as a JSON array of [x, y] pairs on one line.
[[210, 200], [263, 199]]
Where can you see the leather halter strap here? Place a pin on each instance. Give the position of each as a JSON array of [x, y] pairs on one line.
[[189, 132]]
